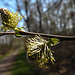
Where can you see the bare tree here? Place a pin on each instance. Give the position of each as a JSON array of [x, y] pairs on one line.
[[38, 2], [26, 7]]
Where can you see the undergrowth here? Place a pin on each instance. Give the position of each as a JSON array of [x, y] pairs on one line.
[[22, 67]]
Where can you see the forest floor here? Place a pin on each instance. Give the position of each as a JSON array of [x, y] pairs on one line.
[[16, 64], [7, 62]]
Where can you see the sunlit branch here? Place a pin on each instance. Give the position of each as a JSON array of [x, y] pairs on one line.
[[61, 38]]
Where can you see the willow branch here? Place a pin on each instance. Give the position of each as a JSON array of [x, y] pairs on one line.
[[61, 38]]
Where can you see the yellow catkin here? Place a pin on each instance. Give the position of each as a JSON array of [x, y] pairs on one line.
[[10, 20]]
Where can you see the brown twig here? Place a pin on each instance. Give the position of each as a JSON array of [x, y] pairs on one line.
[[61, 38]]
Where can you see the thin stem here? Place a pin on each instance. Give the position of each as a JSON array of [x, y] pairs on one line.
[[61, 38]]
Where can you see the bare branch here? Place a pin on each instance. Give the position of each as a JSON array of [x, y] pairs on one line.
[[19, 9], [61, 38], [56, 5]]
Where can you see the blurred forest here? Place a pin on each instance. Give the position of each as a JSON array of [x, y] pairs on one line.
[[50, 17]]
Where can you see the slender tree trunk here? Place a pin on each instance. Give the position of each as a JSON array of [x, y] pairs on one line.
[[40, 15]]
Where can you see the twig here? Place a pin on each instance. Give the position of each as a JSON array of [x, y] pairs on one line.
[[61, 38]]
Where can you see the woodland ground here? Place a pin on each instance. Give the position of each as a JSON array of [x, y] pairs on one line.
[[16, 64], [6, 63]]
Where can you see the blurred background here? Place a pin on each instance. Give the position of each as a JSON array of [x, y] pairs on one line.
[[44, 16]]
